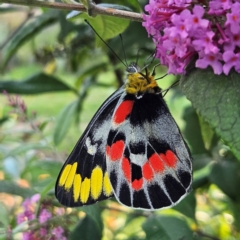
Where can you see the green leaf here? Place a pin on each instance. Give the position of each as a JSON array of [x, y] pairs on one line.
[[13, 188], [38, 83], [86, 230], [64, 121], [207, 133], [3, 119], [107, 27], [131, 46], [86, 3], [47, 187], [187, 206], [201, 176], [225, 175], [192, 126], [90, 70], [217, 100], [23, 148], [35, 168], [66, 27], [28, 32], [4, 220], [94, 212], [166, 228]]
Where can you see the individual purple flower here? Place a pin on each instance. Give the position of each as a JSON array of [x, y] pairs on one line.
[[35, 198], [44, 215], [179, 24], [28, 236], [21, 218], [212, 60], [43, 232], [195, 20], [205, 43], [176, 44], [233, 40], [217, 6], [58, 232], [29, 214], [231, 60], [233, 18], [28, 205]]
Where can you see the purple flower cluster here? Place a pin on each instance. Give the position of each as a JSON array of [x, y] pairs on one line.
[[29, 215], [208, 31]]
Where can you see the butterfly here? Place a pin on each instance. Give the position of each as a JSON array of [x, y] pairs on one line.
[[132, 149]]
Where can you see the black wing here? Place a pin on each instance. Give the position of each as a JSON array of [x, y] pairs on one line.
[[84, 179]]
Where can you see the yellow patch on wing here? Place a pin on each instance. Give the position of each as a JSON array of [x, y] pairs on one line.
[[107, 187], [85, 190], [76, 187], [96, 182], [64, 175], [67, 176]]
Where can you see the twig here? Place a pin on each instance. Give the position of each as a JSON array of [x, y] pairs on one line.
[[94, 10]]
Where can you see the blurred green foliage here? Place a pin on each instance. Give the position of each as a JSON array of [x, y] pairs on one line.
[[63, 72]]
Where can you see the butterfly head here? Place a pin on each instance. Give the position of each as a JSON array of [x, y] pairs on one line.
[[132, 68]]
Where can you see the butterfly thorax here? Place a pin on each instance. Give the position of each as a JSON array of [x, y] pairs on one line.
[[138, 83]]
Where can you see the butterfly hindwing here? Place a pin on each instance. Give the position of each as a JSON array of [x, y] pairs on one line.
[[84, 179], [147, 159]]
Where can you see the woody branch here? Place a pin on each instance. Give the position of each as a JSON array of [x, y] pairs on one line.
[[95, 9]]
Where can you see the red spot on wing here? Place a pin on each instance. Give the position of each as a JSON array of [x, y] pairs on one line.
[[147, 171], [123, 111], [169, 158], [115, 152], [126, 167], [172, 158], [156, 163], [137, 184]]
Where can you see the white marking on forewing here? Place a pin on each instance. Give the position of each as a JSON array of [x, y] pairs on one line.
[[91, 149]]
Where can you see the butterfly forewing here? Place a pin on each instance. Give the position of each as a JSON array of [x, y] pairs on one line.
[[84, 179]]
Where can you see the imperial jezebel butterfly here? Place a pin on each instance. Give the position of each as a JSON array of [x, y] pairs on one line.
[[132, 149]]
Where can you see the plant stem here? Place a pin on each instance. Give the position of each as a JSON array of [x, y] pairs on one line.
[[95, 9]]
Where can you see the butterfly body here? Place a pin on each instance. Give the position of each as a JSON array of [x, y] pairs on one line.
[[132, 149]]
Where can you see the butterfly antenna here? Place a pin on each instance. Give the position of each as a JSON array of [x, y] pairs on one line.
[[166, 90], [153, 57], [138, 54], [154, 71], [106, 43], [124, 54]]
